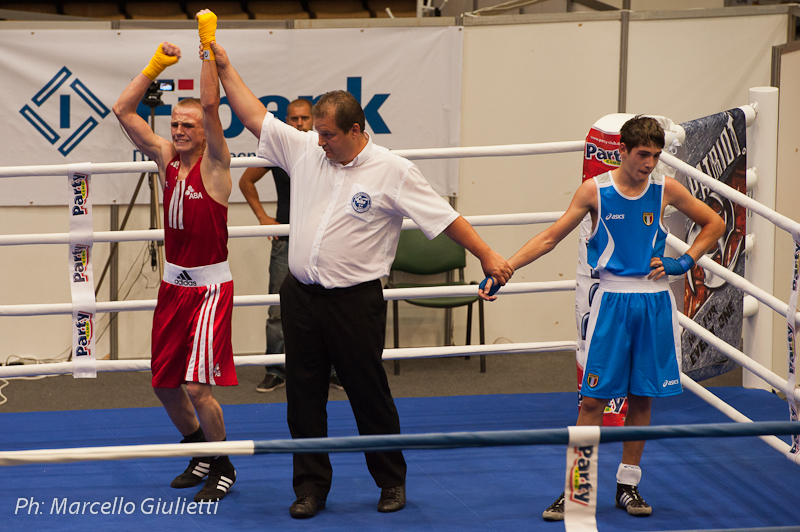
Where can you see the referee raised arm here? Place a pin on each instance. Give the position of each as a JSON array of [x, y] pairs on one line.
[[348, 200]]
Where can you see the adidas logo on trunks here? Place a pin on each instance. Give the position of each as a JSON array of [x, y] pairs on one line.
[[184, 280]]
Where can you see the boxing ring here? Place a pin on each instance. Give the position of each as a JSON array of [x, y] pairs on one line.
[[521, 450]]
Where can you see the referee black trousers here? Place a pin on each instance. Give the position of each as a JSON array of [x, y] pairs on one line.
[[345, 327]]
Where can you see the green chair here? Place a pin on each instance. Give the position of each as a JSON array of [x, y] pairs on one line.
[[419, 256]]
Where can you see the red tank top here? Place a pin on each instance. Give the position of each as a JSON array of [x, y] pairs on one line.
[[195, 225]]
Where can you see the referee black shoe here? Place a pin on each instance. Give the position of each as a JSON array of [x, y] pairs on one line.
[[628, 499], [194, 474], [555, 512]]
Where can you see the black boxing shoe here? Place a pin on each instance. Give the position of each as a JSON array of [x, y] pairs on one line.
[[555, 512], [194, 474], [628, 499]]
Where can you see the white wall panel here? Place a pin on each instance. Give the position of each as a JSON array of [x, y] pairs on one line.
[[688, 68]]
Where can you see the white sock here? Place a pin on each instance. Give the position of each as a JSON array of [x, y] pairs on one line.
[[629, 474]]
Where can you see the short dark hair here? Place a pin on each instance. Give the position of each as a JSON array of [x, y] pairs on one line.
[[300, 102], [641, 131], [346, 109]]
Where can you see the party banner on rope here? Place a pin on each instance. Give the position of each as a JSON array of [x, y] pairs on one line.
[[81, 239], [580, 487], [792, 356]]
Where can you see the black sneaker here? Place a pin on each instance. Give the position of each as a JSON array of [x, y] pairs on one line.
[[336, 383], [628, 499], [194, 474], [555, 512], [270, 382], [220, 479]]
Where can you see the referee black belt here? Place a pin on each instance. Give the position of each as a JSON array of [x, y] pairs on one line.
[[319, 289]]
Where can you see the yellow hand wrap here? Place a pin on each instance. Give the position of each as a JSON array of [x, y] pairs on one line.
[[158, 63], [206, 26]]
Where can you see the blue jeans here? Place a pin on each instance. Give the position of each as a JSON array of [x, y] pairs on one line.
[[278, 268]]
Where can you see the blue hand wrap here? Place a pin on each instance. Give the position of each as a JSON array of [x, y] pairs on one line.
[[493, 290], [677, 266]]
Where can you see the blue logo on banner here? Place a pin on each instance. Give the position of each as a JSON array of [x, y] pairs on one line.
[[361, 202], [76, 135], [279, 104]]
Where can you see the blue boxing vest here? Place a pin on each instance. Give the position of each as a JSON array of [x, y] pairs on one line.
[[628, 232]]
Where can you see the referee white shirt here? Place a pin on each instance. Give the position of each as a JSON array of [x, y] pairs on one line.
[[345, 220]]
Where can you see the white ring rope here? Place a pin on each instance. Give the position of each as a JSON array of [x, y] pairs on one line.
[[734, 279], [771, 301], [244, 231], [773, 441], [737, 356], [784, 222], [246, 162], [273, 299], [143, 364]]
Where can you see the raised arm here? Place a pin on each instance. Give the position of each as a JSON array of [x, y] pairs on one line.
[[247, 107], [156, 148], [712, 225], [216, 164]]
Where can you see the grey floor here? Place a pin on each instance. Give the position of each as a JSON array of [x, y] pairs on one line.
[[506, 374]]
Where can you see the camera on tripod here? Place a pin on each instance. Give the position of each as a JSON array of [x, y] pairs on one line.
[[152, 96]]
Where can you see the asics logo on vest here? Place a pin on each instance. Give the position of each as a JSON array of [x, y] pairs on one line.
[[610, 216], [184, 279], [193, 194]]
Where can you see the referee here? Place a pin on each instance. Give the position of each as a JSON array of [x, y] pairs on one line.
[[348, 200]]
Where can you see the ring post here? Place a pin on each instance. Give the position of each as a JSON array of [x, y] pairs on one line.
[[762, 153]]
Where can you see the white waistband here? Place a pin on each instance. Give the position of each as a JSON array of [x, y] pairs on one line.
[[200, 276], [632, 283]]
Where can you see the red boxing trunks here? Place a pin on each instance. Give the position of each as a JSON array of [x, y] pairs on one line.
[[191, 339]]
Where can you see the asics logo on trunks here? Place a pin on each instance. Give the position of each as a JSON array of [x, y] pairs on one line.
[[193, 194], [610, 216], [670, 383], [184, 280]]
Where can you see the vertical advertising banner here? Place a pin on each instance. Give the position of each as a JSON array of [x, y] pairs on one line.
[[791, 379], [715, 145], [81, 239]]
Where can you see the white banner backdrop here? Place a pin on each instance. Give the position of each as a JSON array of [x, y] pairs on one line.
[[59, 86]]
